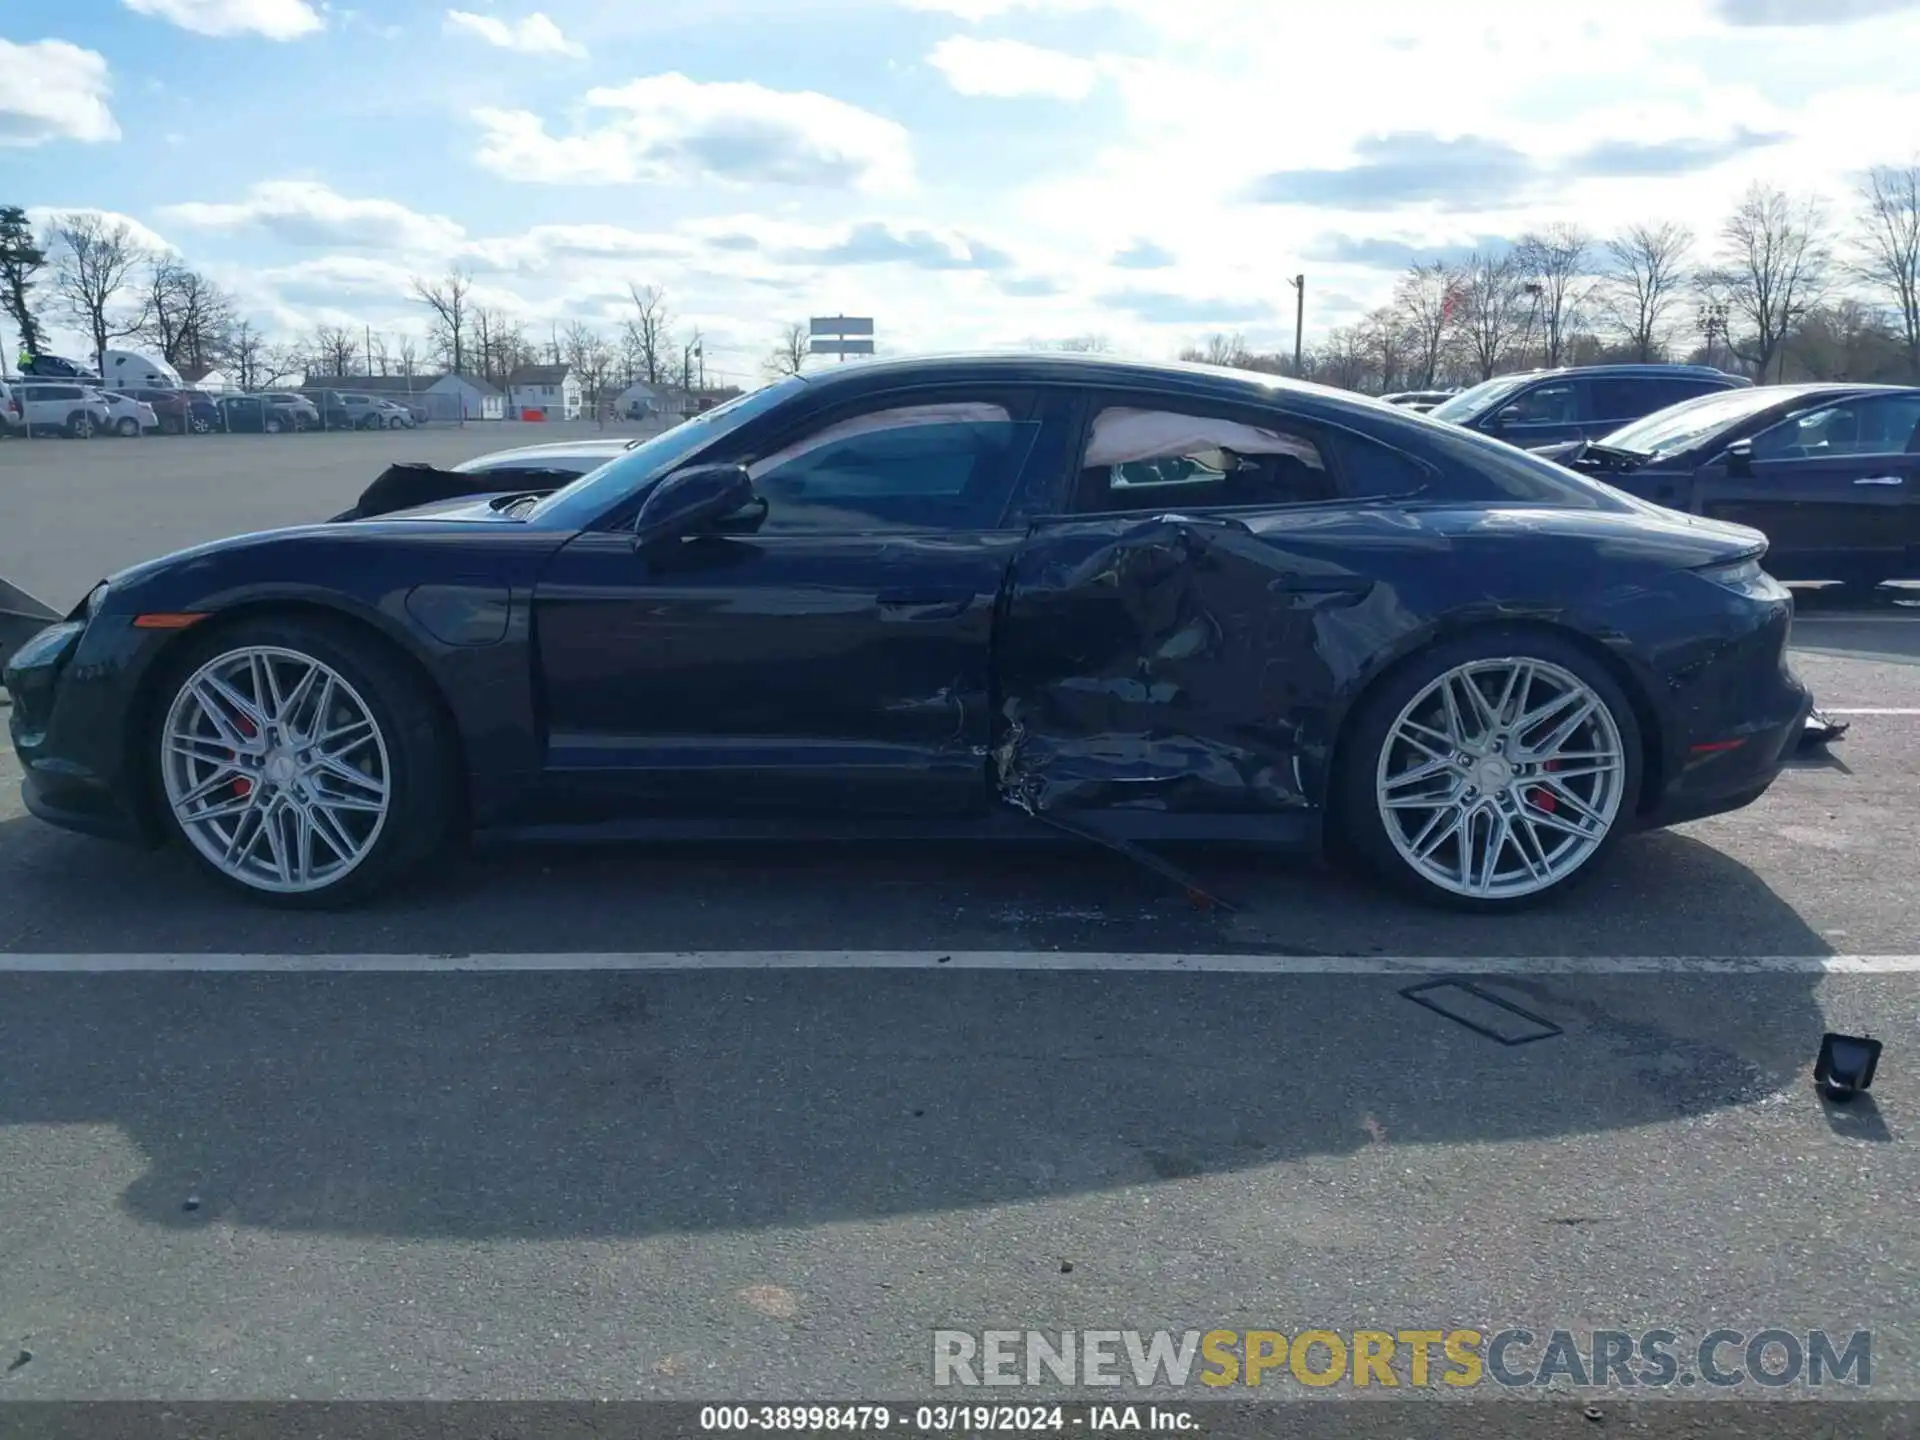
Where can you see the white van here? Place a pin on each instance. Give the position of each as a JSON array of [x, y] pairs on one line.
[[125, 370]]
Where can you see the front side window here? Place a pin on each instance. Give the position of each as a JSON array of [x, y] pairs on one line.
[[1556, 404], [1880, 425], [915, 468], [1138, 459]]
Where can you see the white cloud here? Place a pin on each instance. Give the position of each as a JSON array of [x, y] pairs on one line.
[[535, 35], [975, 11], [668, 128], [275, 19], [51, 90], [42, 217], [305, 212], [1004, 68]]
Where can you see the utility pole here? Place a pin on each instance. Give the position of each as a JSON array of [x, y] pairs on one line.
[[1299, 284], [369, 330]]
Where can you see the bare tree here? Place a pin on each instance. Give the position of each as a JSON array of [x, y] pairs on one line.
[[1490, 308], [1383, 342], [790, 351], [1889, 243], [22, 258], [379, 362], [406, 356], [247, 351], [1231, 351], [334, 349], [1341, 359], [1774, 264], [94, 264], [448, 299], [280, 362], [1644, 276], [1081, 345], [1423, 299], [1552, 265], [648, 335], [591, 359], [185, 316]]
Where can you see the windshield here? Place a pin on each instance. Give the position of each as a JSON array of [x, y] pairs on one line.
[[1469, 403], [1683, 426], [598, 491]]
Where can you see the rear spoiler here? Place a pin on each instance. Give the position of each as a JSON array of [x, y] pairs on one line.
[[401, 487]]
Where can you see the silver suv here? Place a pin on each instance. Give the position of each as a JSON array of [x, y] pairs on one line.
[[62, 407]]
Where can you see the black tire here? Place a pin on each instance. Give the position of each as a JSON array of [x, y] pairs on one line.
[[80, 426], [126, 427], [200, 425], [1356, 828], [422, 771]]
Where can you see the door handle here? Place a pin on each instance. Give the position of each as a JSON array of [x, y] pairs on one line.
[[1882, 480], [928, 604]]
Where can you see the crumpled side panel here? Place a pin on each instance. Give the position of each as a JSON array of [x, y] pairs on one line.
[[1172, 663]]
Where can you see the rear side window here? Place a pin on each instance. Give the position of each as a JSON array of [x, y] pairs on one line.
[[1142, 459], [1554, 404]]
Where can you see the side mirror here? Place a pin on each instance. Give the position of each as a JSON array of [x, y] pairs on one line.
[[1494, 423], [690, 500], [1740, 458]]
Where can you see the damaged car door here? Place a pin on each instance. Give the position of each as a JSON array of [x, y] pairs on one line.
[[826, 649], [1170, 645]]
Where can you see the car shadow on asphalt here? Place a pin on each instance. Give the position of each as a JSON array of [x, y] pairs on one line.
[[600, 1103]]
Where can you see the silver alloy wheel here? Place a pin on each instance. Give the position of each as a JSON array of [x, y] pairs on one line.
[[1501, 778], [276, 769]]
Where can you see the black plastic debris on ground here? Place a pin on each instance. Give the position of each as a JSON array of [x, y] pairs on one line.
[[1820, 730], [1482, 1012]]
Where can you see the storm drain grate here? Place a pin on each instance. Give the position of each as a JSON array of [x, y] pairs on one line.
[[1482, 1012]]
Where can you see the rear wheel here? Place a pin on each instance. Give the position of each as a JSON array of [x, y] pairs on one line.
[[1491, 772], [300, 762], [272, 425], [200, 425], [126, 426], [80, 425]]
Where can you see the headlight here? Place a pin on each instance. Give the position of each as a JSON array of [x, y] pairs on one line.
[[1736, 575], [1745, 577]]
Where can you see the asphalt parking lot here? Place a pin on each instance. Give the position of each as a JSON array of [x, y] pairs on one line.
[[717, 1123]]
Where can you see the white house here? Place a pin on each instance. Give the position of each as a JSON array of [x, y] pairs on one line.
[[550, 389], [444, 397], [641, 401]]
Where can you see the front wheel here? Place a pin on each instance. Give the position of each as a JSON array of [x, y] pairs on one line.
[[1491, 772], [273, 425], [80, 425], [126, 427], [200, 425], [300, 762]]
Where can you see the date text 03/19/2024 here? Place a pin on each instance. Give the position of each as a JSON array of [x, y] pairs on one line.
[[944, 1419]]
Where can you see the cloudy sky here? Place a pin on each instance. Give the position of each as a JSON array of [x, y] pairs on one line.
[[969, 172]]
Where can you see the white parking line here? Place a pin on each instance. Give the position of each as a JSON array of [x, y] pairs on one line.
[[1867, 709], [1041, 960]]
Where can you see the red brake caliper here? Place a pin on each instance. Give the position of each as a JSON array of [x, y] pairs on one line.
[[1543, 797], [242, 786]]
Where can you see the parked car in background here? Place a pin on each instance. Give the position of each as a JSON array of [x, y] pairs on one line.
[[1829, 473], [203, 413], [1148, 603], [1545, 407], [1420, 401], [173, 409], [63, 408], [13, 419], [393, 416], [58, 367], [267, 414], [561, 459], [297, 412], [364, 411], [128, 416]]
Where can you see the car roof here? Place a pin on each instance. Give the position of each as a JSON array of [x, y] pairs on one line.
[[593, 446]]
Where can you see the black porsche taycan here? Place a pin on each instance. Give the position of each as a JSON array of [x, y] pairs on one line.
[[940, 597]]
